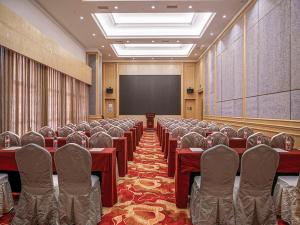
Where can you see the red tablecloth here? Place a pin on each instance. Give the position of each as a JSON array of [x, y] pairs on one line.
[[233, 143], [166, 145], [102, 161], [128, 135], [120, 144], [134, 141], [188, 162]]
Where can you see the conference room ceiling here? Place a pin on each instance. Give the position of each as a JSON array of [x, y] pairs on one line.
[[147, 30]]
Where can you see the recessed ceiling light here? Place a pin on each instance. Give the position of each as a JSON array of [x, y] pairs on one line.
[[152, 41], [153, 7], [116, 7], [195, 54], [177, 41], [127, 41], [81, 17], [190, 6], [202, 46], [152, 58], [94, 34], [102, 46], [224, 16], [109, 54], [133, 58], [172, 58], [211, 34]]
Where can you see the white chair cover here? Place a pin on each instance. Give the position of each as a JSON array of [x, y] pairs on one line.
[[179, 132], [103, 122], [219, 138], [254, 203], [101, 140], [97, 129], [14, 139], [6, 199], [198, 130], [124, 127], [115, 132], [65, 131], [83, 127], [79, 193], [278, 140], [37, 203], [212, 193], [241, 132], [94, 124], [77, 138], [252, 140], [230, 132], [72, 126], [212, 128], [287, 199], [33, 138], [108, 126], [193, 140], [47, 132]]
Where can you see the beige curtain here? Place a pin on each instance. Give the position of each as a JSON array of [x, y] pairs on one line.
[[33, 95]]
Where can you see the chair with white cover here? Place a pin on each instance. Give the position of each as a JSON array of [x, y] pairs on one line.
[[198, 130], [218, 138], [6, 199], [287, 199], [115, 132], [37, 203], [193, 140], [244, 132], [124, 127], [33, 138], [83, 127], [212, 193], [179, 132], [72, 126], [94, 123], [65, 131], [103, 122], [256, 139], [47, 131], [229, 131], [108, 126], [252, 191], [212, 128], [101, 140], [280, 141], [76, 138], [79, 199], [97, 129], [14, 139]]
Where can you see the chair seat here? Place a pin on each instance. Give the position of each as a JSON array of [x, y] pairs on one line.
[[288, 180], [3, 178]]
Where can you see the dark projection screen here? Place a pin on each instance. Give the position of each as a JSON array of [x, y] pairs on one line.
[[140, 94]]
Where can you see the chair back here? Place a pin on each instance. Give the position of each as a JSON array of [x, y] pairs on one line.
[[258, 169], [47, 132], [107, 126], [97, 129], [244, 132], [33, 138], [72, 126], [94, 124], [83, 127], [212, 128], [35, 168], [115, 132], [198, 130], [256, 139], [100, 140], [219, 138], [76, 138], [279, 141], [14, 139], [229, 131], [193, 140], [65, 131], [179, 132], [219, 165], [73, 165], [124, 127], [103, 122]]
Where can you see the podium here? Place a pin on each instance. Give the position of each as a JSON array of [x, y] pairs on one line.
[[150, 120]]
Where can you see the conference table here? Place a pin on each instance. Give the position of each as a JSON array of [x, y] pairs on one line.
[[188, 162], [120, 143], [234, 142], [103, 162]]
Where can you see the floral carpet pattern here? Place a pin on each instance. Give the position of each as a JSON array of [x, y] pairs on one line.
[[146, 196]]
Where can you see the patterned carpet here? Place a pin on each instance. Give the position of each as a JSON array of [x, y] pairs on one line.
[[146, 194]]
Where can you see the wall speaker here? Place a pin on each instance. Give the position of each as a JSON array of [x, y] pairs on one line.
[[190, 90], [109, 90]]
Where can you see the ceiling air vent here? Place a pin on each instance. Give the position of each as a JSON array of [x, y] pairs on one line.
[[102, 7], [172, 6]]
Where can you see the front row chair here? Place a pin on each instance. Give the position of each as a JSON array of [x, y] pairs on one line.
[[212, 192], [37, 203], [33, 138], [193, 140], [253, 201], [14, 139], [6, 199], [287, 199], [79, 193]]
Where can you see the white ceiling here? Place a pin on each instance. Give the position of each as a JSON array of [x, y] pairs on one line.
[[86, 31]]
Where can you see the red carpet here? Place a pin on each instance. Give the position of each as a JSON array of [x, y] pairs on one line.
[[146, 194]]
